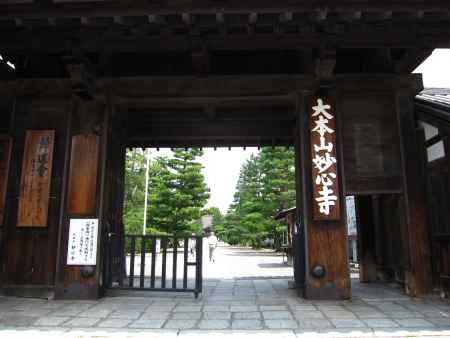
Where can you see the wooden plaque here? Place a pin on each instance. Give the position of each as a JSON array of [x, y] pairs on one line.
[[325, 179], [35, 179], [5, 155], [83, 175]]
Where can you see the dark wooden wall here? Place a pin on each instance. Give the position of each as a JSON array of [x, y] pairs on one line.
[[382, 159], [371, 149], [394, 258], [367, 234], [30, 252], [439, 204], [383, 238], [437, 181]]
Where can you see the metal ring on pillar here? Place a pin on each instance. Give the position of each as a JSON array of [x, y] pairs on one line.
[[318, 271]]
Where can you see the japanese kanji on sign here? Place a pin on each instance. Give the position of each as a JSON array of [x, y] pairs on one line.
[[326, 203], [82, 246], [35, 179]]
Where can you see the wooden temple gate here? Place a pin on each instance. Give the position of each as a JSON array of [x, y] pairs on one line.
[[332, 81]]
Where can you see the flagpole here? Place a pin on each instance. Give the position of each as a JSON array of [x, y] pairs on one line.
[[147, 170]]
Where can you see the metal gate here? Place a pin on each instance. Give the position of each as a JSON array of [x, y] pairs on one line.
[[155, 263]]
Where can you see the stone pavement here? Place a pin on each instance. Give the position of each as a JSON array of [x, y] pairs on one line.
[[242, 307], [230, 262]]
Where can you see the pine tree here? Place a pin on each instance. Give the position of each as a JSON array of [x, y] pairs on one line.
[[266, 184], [134, 190], [179, 193]]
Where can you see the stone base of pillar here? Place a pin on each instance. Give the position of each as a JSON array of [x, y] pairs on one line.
[[327, 292]]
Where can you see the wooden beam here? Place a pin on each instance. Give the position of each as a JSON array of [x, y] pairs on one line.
[[101, 39], [286, 17], [172, 102], [350, 16], [211, 130], [164, 118], [45, 10], [378, 60], [238, 141]]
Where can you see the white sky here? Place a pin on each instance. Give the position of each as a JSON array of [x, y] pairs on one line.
[[221, 167], [436, 69]]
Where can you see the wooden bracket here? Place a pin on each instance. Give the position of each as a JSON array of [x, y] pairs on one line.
[[325, 64], [81, 75]]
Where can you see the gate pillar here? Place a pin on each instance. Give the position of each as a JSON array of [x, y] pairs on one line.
[[320, 197], [418, 279], [91, 199]]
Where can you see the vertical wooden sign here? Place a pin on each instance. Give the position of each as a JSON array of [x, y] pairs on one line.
[[83, 175], [5, 155], [35, 179], [326, 203]]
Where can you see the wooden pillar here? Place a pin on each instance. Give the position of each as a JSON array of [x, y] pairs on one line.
[[366, 239], [83, 186], [326, 255], [445, 246], [419, 278], [298, 227]]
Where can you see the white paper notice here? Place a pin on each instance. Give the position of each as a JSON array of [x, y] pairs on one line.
[[82, 248]]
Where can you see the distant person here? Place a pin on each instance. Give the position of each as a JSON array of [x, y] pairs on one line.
[[192, 244], [212, 244]]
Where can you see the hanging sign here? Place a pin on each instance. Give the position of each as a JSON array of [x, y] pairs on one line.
[[326, 203], [82, 246], [35, 179], [5, 154]]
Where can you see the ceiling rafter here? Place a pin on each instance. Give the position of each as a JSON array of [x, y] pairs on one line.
[[46, 9]]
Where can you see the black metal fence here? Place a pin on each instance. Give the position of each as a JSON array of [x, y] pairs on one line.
[[155, 263]]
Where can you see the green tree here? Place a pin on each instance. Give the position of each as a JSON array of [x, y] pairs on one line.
[[178, 193], [266, 184], [278, 183], [134, 190]]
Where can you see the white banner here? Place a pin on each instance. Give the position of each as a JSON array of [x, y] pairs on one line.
[[82, 248]]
